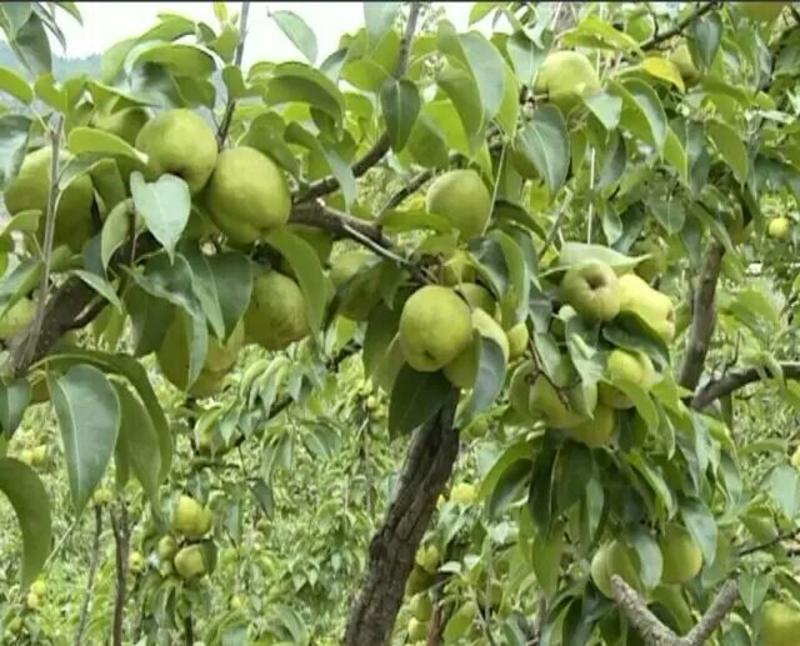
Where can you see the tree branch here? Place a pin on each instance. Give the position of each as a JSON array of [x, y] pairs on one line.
[[786, 536], [737, 379], [428, 465], [84, 616], [122, 539], [713, 617], [657, 39], [704, 316], [224, 127], [381, 146]]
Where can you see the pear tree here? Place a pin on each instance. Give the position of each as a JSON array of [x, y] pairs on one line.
[[557, 246]]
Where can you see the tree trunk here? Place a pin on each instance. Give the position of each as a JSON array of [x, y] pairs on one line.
[[428, 465]]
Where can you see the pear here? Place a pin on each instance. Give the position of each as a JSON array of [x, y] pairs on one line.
[[779, 228], [566, 77], [190, 562], [435, 327], [463, 494], [417, 630], [181, 143], [593, 290], [546, 402], [518, 338], [190, 518], [612, 559], [167, 548], [125, 123], [682, 557], [597, 431], [463, 370], [18, 317], [359, 284], [247, 195], [519, 391], [135, 562], [477, 296], [626, 365], [421, 607], [462, 198], [428, 558], [32, 601], [39, 587], [780, 624], [276, 315], [30, 190], [650, 305]]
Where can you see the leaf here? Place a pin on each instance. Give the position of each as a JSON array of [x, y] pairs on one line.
[[14, 399], [379, 18], [706, 33], [116, 230], [490, 378], [488, 70], [663, 69], [784, 489], [643, 112], [266, 133], [91, 140], [298, 82], [650, 558], [400, 104], [233, 273], [606, 107], [100, 285], [32, 47], [15, 85], [670, 213], [140, 441], [298, 32], [644, 404], [14, 134], [182, 59], [304, 261], [700, 523], [205, 286], [546, 555], [544, 142], [164, 205], [753, 590], [526, 56], [88, 414], [731, 147], [575, 253], [29, 499], [416, 397], [675, 154]]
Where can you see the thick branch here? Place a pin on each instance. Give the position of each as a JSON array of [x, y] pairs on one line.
[[381, 146], [704, 316], [713, 617], [87, 597], [736, 379], [222, 133], [428, 465], [657, 39], [122, 539]]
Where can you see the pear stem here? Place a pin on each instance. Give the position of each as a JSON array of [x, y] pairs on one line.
[[224, 127]]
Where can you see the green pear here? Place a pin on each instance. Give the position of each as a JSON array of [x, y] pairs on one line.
[[477, 296], [247, 195], [428, 558], [464, 368], [417, 630], [779, 228], [190, 518], [462, 198], [463, 493], [435, 327], [597, 431], [276, 315], [518, 338], [650, 305], [136, 562], [592, 289], [682, 59], [458, 269], [421, 607], [761, 11], [125, 123], [556, 408], [640, 26], [181, 143], [519, 390], [320, 240], [30, 190], [190, 562], [352, 273], [167, 548], [613, 558], [39, 587], [626, 365], [419, 580], [795, 461], [18, 317], [682, 557], [655, 265], [780, 624], [566, 77]]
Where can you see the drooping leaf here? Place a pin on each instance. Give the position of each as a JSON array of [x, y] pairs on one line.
[[544, 142], [15, 85], [731, 147], [400, 104], [91, 140], [490, 377], [379, 18], [14, 133], [700, 523], [14, 399], [416, 397], [298, 32], [164, 205]]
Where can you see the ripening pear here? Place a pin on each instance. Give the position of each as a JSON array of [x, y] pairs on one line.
[[780, 624], [247, 195], [39, 587], [30, 189], [626, 365], [518, 338], [463, 370], [419, 580], [358, 285], [190, 562], [611, 559], [435, 327], [417, 630], [593, 291], [190, 518], [276, 315], [463, 493], [682, 557], [653, 307], [458, 269], [462, 198], [421, 606], [779, 228], [32, 601], [135, 562], [167, 548], [566, 77], [428, 558], [125, 123], [181, 143], [598, 430]]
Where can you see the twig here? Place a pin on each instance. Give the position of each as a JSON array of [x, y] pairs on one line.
[[413, 185], [49, 235], [713, 617], [84, 616], [556, 225], [657, 39], [381, 147], [188, 628], [122, 540], [786, 536], [227, 119]]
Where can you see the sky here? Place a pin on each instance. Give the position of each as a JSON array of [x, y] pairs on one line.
[[105, 23]]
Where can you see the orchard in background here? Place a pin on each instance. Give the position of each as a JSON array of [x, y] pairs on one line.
[[481, 337]]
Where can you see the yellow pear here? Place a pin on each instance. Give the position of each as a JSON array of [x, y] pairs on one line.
[[463, 370], [613, 558], [190, 562], [181, 143], [18, 317], [462, 198], [190, 518], [32, 601], [428, 558], [477, 296], [39, 587], [682, 557], [566, 77], [135, 562], [597, 431], [761, 11], [359, 285], [435, 327], [102, 496], [780, 624], [30, 190], [276, 315], [419, 580], [779, 228], [247, 195], [517, 340], [626, 365], [796, 457], [653, 307], [593, 291], [546, 402]]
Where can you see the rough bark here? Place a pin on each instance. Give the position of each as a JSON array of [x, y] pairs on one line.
[[428, 465]]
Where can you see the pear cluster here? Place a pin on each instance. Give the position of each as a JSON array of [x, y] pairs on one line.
[[187, 555]]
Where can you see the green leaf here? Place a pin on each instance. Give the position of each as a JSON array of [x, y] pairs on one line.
[[575, 253], [488, 70], [14, 399], [298, 82], [91, 140], [138, 440], [100, 285], [116, 230], [379, 18], [700, 523], [15, 85], [464, 96], [164, 205], [643, 113], [233, 273], [650, 558], [14, 134], [32, 47], [664, 69], [706, 32], [784, 489], [381, 328], [304, 261], [731, 147], [29, 499], [416, 397], [490, 378], [400, 104], [339, 168], [298, 32], [527, 56], [753, 589], [675, 154], [593, 31], [671, 213], [644, 404], [47, 90], [544, 142], [546, 556], [266, 134], [205, 287], [606, 107], [88, 414], [182, 59]]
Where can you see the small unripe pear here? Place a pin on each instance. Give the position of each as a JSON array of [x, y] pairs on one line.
[[190, 562]]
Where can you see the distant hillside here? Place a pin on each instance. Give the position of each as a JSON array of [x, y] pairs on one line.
[[62, 67]]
